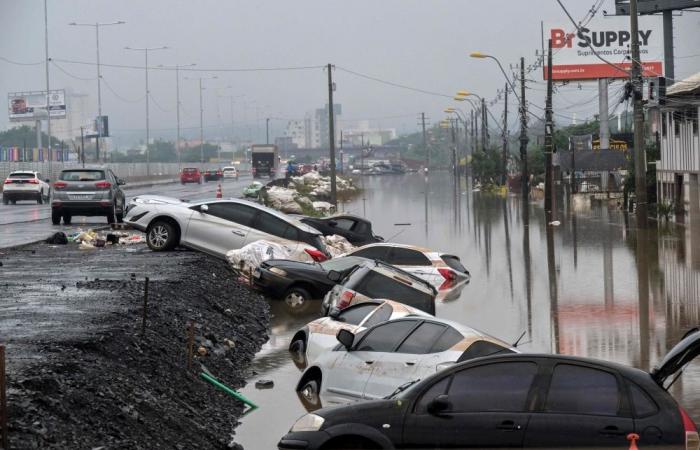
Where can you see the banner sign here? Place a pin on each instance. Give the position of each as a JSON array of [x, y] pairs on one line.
[[28, 106]]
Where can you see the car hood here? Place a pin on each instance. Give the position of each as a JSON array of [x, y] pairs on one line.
[[158, 200], [680, 355], [360, 412]]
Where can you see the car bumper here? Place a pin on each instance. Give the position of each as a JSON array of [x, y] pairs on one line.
[[23, 194], [273, 285], [305, 440], [91, 208]]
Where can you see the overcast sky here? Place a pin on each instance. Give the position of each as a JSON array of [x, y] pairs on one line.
[[418, 43]]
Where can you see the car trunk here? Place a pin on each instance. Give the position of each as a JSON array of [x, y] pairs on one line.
[[675, 360]]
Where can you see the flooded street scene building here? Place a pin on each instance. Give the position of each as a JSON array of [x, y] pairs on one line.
[[321, 225]]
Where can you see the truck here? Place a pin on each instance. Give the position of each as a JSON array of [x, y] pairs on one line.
[[265, 160]]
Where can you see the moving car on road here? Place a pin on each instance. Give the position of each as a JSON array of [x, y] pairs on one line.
[[375, 362], [230, 172], [213, 175], [526, 401], [190, 175], [87, 192], [375, 279], [298, 282], [25, 185], [436, 267], [356, 230], [217, 226]]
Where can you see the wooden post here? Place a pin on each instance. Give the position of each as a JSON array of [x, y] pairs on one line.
[[145, 307], [190, 344], [3, 401]]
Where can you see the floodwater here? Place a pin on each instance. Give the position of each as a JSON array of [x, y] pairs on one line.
[[582, 288]]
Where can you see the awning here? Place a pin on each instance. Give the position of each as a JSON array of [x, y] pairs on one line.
[[689, 86]]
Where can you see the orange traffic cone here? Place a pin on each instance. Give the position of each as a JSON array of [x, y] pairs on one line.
[[633, 438], [219, 194]]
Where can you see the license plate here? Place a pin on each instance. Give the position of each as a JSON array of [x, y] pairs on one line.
[[80, 196], [257, 273]]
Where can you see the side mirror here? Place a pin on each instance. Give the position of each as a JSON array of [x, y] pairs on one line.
[[346, 338], [334, 313], [120, 182], [439, 404], [334, 276], [47, 180], [204, 208]]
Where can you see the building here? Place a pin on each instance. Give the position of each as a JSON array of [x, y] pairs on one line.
[[363, 135], [296, 132], [320, 137], [677, 124]]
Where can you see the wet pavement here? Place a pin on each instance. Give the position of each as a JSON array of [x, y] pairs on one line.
[[573, 289]]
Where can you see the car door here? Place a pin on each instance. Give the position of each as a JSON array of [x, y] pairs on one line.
[[488, 408], [222, 227], [584, 407], [401, 366], [270, 227], [349, 374]]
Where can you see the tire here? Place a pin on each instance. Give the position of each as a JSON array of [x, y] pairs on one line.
[[309, 394], [14, 202], [5, 200], [297, 349], [40, 198], [161, 236], [55, 217], [120, 218], [297, 298], [67, 218], [111, 216]]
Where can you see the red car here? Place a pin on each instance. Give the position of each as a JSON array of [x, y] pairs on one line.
[[190, 175]]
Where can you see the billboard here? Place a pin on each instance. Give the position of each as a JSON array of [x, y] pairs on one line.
[[573, 59], [32, 105]]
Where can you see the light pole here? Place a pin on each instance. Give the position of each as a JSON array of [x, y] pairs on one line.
[[177, 100], [267, 131], [97, 26], [464, 96], [510, 83], [145, 51], [48, 96], [201, 116]]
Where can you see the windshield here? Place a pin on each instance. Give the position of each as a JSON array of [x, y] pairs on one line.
[[82, 175], [21, 175]]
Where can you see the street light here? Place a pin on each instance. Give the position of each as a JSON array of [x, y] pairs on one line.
[[97, 26], [480, 55], [177, 101], [145, 50], [201, 116]]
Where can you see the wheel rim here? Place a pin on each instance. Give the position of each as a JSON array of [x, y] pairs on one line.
[[158, 236], [294, 299]]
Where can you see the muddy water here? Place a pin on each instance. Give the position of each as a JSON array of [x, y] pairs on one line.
[[573, 289]]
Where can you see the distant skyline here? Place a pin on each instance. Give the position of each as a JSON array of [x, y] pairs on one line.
[[408, 42]]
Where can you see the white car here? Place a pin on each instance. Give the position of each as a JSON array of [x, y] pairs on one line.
[[440, 269], [230, 172], [374, 363], [25, 185], [319, 335], [217, 226]]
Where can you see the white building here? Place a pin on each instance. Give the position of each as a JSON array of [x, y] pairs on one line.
[[364, 134], [296, 130]]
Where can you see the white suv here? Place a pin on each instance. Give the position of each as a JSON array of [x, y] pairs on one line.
[[25, 185]]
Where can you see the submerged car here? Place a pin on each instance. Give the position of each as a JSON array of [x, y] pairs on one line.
[[87, 192], [525, 401], [375, 279], [297, 282], [217, 226], [356, 230], [375, 362], [320, 335], [25, 185], [435, 267]]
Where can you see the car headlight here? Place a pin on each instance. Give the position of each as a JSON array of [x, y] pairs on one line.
[[309, 422], [278, 271]]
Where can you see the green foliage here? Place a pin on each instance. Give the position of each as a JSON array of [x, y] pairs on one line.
[[665, 209], [25, 136], [486, 165]]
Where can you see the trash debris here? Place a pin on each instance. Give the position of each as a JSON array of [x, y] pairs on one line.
[[248, 257], [554, 223], [337, 245], [283, 199], [323, 207], [58, 238], [264, 384], [202, 351]]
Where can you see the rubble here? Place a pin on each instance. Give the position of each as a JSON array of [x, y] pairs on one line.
[[245, 259]]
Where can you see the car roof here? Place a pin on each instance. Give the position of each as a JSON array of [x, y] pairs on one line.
[[395, 245], [34, 172], [350, 216]]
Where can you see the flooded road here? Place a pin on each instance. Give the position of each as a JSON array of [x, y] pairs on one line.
[[582, 288]]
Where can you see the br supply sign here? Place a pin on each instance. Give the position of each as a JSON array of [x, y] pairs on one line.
[[574, 51]]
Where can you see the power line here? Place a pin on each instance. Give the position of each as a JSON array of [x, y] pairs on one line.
[[391, 83], [194, 69]]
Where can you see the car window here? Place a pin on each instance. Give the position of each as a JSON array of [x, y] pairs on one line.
[[454, 263], [428, 396], [376, 285], [234, 212], [82, 175], [361, 228], [407, 257], [492, 387], [422, 339], [344, 224], [291, 233], [356, 313], [375, 252], [643, 404], [483, 348], [385, 338], [382, 314], [447, 340], [582, 390], [267, 223], [21, 175]]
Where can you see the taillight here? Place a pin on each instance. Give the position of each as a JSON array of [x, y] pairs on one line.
[[692, 441], [33, 181], [316, 255], [9, 181], [103, 185], [60, 185], [447, 274], [345, 299]]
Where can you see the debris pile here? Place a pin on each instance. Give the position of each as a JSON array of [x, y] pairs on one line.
[[306, 194], [91, 239]]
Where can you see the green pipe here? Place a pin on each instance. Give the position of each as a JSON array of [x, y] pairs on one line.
[[228, 390]]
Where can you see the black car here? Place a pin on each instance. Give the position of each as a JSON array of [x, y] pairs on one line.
[[213, 175], [297, 282], [356, 230], [516, 400]]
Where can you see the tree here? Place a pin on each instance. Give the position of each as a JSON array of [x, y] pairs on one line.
[[162, 151], [25, 137]]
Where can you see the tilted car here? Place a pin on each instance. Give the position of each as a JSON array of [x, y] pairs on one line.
[[356, 230], [87, 192], [190, 175], [217, 226], [297, 282], [436, 267], [376, 361], [25, 185], [375, 279], [320, 334], [524, 401]]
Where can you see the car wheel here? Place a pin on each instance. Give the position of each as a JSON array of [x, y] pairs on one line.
[[5, 200], [40, 198], [297, 349], [297, 298], [67, 218], [120, 217], [310, 394], [14, 202], [111, 215], [161, 236], [55, 217]]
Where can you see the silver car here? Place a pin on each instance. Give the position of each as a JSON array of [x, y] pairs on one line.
[[87, 192], [217, 226]]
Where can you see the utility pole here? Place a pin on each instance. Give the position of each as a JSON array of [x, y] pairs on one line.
[[548, 139], [82, 145], [201, 126], [523, 133], [425, 142], [483, 124], [504, 178], [331, 136], [640, 165], [472, 120], [267, 130], [177, 108], [48, 91]]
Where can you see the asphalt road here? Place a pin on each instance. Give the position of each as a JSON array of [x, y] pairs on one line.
[[27, 222]]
